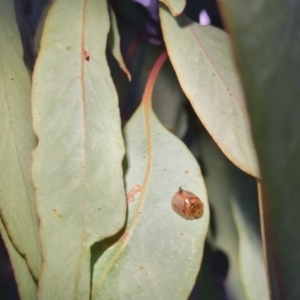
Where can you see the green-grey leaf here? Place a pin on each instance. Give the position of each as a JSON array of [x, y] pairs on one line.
[[246, 216], [266, 40], [77, 166], [25, 282], [175, 6], [159, 254], [202, 59], [225, 237], [17, 140], [168, 100], [114, 43]]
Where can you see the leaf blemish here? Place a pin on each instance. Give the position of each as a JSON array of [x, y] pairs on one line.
[[58, 214], [87, 55], [134, 190]]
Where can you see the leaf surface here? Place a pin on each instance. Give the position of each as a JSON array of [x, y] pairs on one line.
[[225, 235], [246, 217], [202, 60], [159, 250], [266, 39], [168, 101], [25, 282], [17, 140], [235, 222], [77, 166]]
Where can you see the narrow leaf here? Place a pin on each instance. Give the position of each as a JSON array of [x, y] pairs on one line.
[[168, 100], [159, 254], [202, 60], [77, 166], [114, 43], [246, 217], [17, 140], [266, 40], [25, 282], [225, 236]]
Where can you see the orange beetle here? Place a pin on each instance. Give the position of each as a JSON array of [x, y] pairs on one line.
[[187, 205]]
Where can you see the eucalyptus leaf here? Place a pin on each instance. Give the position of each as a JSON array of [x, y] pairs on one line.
[[168, 100], [265, 35], [17, 140], [26, 285], [204, 66], [77, 166], [225, 236], [246, 217], [156, 242]]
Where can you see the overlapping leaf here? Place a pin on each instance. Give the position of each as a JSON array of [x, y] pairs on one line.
[[225, 237], [156, 243], [17, 140], [266, 40], [234, 200], [25, 282], [168, 101], [246, 217], [202, 59], [77, 165]]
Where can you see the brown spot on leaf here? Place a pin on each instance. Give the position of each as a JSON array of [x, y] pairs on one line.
[[87, 55], [134, 190], [68, 48], [58, 214], [186, 171], [142, 267]]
